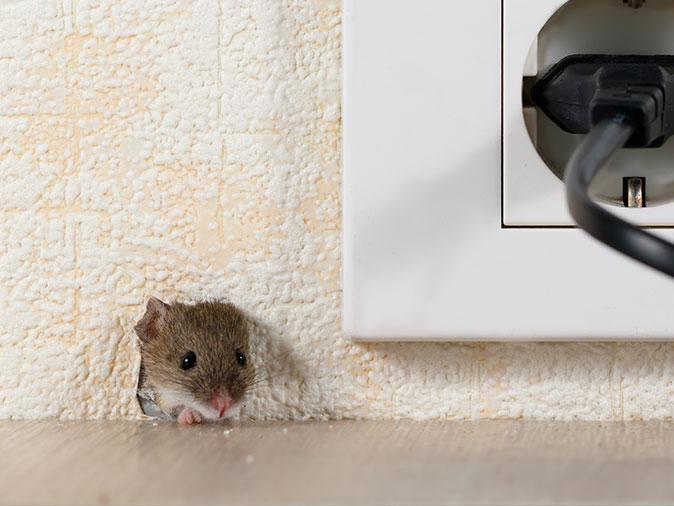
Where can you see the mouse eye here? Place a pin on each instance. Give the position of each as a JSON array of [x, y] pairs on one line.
[[188, 361], [240, 358]]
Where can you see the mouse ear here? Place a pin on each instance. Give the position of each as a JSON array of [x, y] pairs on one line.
[[153, 319]]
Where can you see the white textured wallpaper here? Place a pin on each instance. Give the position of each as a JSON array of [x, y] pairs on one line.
[[191, 149]]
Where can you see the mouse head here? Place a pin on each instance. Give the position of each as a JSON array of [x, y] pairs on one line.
[[195, 356]]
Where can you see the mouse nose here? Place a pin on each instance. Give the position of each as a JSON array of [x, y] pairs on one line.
[[221, 402]]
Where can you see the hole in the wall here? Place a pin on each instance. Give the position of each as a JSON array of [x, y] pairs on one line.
[[147, 405]]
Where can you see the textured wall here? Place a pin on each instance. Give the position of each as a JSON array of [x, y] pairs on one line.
[[190, 149]]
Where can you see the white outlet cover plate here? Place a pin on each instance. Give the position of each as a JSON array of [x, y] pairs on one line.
[[426, 254]]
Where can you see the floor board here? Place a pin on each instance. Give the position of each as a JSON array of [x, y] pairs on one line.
[[497, 462]]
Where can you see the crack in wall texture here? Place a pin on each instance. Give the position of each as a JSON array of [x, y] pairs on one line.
[[191, 149]]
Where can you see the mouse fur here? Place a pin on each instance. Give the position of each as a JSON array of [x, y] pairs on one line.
[[195, 359]]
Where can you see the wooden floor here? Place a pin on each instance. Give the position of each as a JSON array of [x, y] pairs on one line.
[[336, 463]]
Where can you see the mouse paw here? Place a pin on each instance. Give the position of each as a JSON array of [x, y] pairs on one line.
[[189, 416]]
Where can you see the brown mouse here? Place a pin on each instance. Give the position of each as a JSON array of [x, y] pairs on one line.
[[195, 362]]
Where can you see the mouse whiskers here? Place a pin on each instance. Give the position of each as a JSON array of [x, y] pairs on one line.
[[266, 379]]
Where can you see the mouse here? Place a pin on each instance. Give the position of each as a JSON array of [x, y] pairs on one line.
[[195, 359]]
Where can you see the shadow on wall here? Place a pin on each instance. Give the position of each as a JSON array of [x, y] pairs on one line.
[[563, 381], [418, 211], [281, 375]]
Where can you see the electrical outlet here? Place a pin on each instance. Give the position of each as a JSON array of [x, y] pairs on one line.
[[536, 36], [430, 250]]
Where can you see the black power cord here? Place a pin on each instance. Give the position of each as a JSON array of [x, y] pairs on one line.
[[588, 160], [619, 101]]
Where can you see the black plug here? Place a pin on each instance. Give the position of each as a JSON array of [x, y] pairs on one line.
[[618, 101], [582, 90]]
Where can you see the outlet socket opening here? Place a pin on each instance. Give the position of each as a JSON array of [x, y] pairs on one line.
[[602, 27]]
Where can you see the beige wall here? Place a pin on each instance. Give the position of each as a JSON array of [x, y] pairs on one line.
[[191, 149]]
